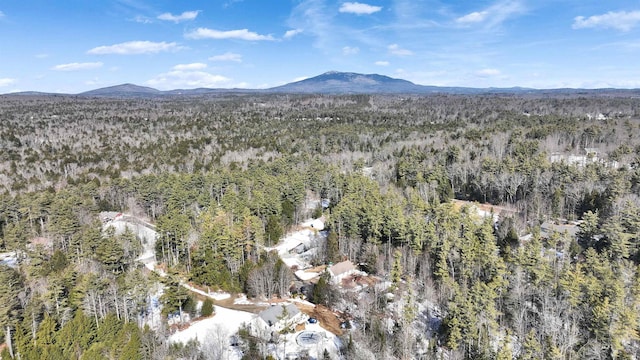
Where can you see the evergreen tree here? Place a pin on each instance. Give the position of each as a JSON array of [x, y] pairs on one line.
[[207, 308], [11, 284]]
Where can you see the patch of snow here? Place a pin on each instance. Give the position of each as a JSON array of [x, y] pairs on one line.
[[294, 261], [143, 231], [317, 224], [152, 316], [291, 241], [242, 300], [9, 258], [288, 347], [220, 295], [305, 276], [228, 320]]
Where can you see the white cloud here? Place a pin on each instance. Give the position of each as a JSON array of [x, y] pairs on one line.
[[291, 33], [188, 67], [382, 63], [1, 14], [187, 15], [228, 56], [6, 82], [359, 8], [395, 49], [135, 47], [42, 56], [348, 50], [487, 72], [231, 2], [142, 19], [77, 66], [242, 34], [177, 79], [494, 15], [474, 17], [619, 20]]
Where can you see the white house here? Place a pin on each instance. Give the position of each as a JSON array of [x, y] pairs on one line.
[[341, 270], [278, 317]]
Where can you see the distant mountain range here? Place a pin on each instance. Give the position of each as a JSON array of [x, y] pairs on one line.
[[332, 82]]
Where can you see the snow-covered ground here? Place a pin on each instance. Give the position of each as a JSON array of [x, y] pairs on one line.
[[306, 275], [323, 339], [220, 295], [310, 228], [242, 300], [216, 331], [144, 232], [297, 249], [9, 258], [317, 224], [215, 334]]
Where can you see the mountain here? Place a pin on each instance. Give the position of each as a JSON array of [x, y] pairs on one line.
[[334, 82], [32, 93], [124, 90], [349, 83]]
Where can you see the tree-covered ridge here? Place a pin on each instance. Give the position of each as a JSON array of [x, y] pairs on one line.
[[388, 168]]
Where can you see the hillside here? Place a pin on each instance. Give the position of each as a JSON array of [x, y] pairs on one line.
[[124, 90], [335, 82]]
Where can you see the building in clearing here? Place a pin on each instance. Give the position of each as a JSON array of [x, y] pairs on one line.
[[341, 270], [279, 317]]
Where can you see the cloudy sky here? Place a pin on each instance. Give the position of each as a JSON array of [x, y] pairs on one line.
[[76, 45]]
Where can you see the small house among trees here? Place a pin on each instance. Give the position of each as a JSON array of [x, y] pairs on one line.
[[280, 317], [341, 270]]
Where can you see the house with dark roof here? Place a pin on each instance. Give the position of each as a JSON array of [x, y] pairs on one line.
[[549, 227]]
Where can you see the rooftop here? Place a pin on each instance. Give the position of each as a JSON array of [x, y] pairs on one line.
[[274, 314]]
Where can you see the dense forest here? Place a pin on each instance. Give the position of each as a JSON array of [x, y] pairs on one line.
[[221, 178]]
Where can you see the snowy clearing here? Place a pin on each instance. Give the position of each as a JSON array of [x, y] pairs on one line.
[[228, 320], [143, 231]]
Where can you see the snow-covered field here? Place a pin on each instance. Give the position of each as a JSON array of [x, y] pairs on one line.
[[297, 249], [304, 236], [216, 331], [242, 300]]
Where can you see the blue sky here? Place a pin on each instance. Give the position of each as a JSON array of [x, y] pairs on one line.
[[76, 45]]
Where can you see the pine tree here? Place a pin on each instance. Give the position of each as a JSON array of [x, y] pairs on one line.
[[505, 351], [10, 286], [396, 270], [207, 308], [531, 349], [333, 247]]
